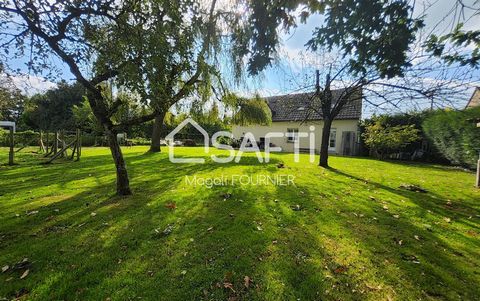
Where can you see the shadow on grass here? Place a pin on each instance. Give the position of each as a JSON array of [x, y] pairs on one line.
[[322, 251]]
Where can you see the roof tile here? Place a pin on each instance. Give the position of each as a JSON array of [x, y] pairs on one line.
[[297, 107]]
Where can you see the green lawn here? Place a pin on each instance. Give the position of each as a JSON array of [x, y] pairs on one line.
[[347, 233]]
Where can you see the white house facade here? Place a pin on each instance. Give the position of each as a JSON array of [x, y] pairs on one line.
[[290, 114]]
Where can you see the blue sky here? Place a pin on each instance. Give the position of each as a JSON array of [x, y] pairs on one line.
[[292, 72]]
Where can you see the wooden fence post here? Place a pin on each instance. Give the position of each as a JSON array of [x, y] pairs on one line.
[[12, 145], [55, 144], [477, 183], [62, 137], [79, 144], [47, 143], [42, 145]]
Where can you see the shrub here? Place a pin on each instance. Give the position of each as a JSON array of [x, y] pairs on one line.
[[455, 135], [140, 141], [384, 139]]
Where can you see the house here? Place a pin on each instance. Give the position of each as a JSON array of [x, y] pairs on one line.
[[291, 114], [474, 101]]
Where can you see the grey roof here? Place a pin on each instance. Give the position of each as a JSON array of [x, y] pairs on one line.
[[297, 107]]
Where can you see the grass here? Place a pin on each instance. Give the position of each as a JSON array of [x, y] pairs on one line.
[[346, 233]]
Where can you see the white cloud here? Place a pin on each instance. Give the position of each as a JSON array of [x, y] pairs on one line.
[[30, 85]]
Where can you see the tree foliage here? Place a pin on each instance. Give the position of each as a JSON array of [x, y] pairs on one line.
[[52, 110], [248, 110], [458, 38], [11, 99], [375, 33]]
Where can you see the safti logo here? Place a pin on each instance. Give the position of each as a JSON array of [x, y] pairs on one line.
[[248, 144]]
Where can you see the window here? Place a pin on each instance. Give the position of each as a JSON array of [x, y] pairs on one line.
[[332, 142], [292, 135]]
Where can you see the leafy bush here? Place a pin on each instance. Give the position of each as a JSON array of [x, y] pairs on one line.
[[3, 137], [455, 135], [21, 138], [384, 139], [422, 149], [140, 141]]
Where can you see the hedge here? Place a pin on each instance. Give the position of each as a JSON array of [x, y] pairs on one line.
[[31, 138], [455, 135]]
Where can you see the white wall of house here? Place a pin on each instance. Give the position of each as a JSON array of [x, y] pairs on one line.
[[338, 127]]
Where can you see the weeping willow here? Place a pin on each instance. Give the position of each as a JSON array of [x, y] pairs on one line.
[[248, 111]]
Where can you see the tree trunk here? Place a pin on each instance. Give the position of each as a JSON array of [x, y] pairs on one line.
[[327, 125], [11, 153], [157, 133], [123, 185]]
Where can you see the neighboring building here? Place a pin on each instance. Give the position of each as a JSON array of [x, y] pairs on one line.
[[474, 100], [290, 114]]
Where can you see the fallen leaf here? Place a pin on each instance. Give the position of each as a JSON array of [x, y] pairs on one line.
[[340, 269], [5, 268], [396, 216], [472, 233], [184, 272], [210, 229], [416, 237], [171, 205], [375, 288], [93, 214], [246, 281], [228, 285], [32, 212], [22, 265], [385, 207], [296, 208], [167, 230], [447, 219], [226, 196], [259, 228], [411, 258], [25, 274]]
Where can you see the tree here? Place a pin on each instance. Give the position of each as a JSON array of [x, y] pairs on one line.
[[371, 42], [248, 111], [383, 138], [81, 33], [376, 37], [175, 41], [84, 118], [11, 99], [52, 110]]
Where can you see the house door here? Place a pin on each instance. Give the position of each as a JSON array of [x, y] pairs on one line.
[[348, 143]]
